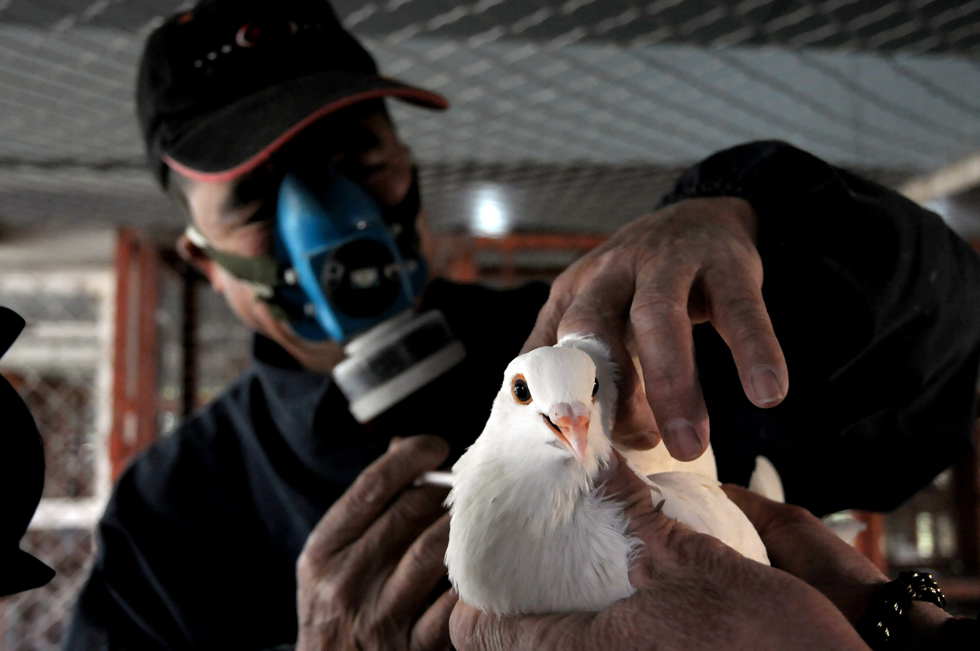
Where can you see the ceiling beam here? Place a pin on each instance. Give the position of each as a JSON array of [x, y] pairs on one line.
[[951, 179]]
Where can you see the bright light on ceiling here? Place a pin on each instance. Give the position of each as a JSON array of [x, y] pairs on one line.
[[490, 217]]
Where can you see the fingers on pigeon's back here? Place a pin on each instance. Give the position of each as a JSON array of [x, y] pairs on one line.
[[626, 487], [369, 495], [642, 506], [621, 483]]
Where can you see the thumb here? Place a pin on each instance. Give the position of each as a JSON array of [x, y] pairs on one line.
[[473, 630], [657, 534], [618, 481], [470, 628]]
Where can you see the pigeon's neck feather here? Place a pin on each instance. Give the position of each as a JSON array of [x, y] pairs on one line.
[[523, 486], [538, 527]]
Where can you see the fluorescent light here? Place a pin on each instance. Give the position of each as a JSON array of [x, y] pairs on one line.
[[489, 216]]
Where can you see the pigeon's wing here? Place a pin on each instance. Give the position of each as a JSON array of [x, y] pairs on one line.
[[700, 503], [765, 480], [657, 459]]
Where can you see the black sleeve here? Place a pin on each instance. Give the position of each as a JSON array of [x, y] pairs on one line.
[[129, 602], [183, 559], [876, 303], [122, 604]]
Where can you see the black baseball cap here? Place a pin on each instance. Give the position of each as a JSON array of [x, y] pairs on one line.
[[223, 86], [21, 477]]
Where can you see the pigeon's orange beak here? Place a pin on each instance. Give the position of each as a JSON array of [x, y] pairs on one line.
[[571, 421]]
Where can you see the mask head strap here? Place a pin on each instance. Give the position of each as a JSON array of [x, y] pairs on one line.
[[263, 272]]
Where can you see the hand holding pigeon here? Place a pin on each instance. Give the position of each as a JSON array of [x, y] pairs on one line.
[[692, 592], [532, 530], [647, 284]]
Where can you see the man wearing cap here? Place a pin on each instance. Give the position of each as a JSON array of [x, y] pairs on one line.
[[275, 516]]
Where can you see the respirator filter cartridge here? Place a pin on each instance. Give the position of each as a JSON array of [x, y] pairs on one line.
[[394, 359]]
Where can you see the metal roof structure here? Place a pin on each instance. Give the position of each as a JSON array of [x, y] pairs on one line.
[[573, 115]]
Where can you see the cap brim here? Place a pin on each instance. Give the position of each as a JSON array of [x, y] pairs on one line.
[[237, 138]]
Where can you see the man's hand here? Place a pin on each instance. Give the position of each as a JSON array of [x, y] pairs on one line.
[[803, 546], [798, 542], [693, 592], [646, 285], [367, 570]]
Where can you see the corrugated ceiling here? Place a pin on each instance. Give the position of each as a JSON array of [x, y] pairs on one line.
[[576, 115]]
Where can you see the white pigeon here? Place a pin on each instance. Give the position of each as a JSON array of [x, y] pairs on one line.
[[530, 530]]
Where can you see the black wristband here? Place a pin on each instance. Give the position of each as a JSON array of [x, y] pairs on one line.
[[883, 624]]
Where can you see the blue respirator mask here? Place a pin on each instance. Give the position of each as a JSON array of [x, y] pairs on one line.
[[346, 271]]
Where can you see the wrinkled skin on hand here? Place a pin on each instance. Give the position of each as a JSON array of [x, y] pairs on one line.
[[693, 593], [643, 289], [799, 543], [368, 569]]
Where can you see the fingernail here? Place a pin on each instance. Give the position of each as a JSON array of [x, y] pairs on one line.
[[685, 442], [765, 386], [395, 440]]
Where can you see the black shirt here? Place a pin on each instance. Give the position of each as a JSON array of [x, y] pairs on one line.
[[876, 304]]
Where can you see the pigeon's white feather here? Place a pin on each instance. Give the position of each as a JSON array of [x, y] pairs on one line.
[[606, 372], [509, 554], [530, 532], [765, 480], [657, 459], [644, 462], [700, 503]]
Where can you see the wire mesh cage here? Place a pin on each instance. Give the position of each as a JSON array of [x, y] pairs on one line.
[[38, 620], [60, 367], [568, 116]]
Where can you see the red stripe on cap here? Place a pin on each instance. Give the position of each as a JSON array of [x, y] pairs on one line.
[[267, 151]]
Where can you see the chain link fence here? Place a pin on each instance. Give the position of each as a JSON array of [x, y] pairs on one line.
[[60, 365]]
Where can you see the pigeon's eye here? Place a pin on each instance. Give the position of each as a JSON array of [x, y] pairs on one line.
[[595, 388], [518, 387]]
